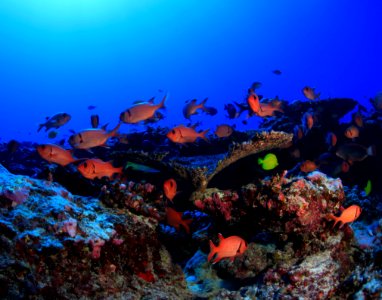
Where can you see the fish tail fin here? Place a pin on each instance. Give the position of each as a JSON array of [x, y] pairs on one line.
[[40, 127], [334, 218], [186, 225], [212, 251], [203, 134], [161, 104], [114, 132], [260, 161], [202, 104], [372, 151]]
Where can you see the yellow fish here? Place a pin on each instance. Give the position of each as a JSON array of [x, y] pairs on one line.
[[269, 162]]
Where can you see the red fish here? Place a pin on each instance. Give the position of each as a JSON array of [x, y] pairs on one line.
[[141, 112], [308, 166], [182, 134], [268, 109], [169, 188], [191, 108], [174, 219], [90, 138], [253, 101], [55, 154], [96, 168], [228, 247], [310, 93], [224, 130], [349, 215]]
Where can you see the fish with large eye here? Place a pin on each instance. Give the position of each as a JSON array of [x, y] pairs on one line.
[[182, 134], [90, 138], [169, 188], [55, 154], [348, 215], [96, 168], [141, 111], [228, 247]]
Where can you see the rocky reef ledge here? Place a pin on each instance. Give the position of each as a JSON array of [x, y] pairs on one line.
[[55, 245]]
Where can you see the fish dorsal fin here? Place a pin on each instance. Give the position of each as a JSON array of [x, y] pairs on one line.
[[103, 127], [221, 237]]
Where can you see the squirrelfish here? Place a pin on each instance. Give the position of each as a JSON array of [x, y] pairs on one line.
[[96, 168], [349, 215], [174, 219], [90, 138], [55, 122], [253, 101], [182, 134], [307, 121], [268, 109], [308, 166], [224, 130], [141, 112], [310, 93], [352, 132], [169, 188], [228, 248], [55, 154]]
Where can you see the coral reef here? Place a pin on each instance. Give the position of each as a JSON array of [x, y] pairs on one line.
[[56, 245]]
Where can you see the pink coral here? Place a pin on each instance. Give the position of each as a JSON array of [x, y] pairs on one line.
[[96, 244], [17, 196]]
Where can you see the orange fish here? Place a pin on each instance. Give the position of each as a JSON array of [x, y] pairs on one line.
[[96, 168], [310, 93], [253, 101], [228, 247], [349, 215], [55, 154], [268, 109], [141, 112], [174, 219], [357, 119], [352, 132], [307, 122], [90, 138], [331, 139], [182, 134], [169, 188], [308, 166]]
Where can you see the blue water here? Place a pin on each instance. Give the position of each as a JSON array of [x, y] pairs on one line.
[[60, 55]]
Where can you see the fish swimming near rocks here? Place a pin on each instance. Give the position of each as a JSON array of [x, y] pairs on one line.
[[56, 121], [141, 112], [90, 138], [96, 168], [224, 130], [228, 248], [169, 188], [174, 219], [349, 215], [253, 101], [55, 154], [310, 93], [269, 109], [182, 134], [353, 152], [269, 162]]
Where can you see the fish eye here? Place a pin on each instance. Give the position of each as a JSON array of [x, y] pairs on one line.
[[85, 165], [173, 131]]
